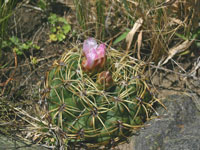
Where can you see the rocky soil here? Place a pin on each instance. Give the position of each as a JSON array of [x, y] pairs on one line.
[[177, 128]]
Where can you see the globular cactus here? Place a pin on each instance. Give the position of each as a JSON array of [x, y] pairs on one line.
[[97, 96]]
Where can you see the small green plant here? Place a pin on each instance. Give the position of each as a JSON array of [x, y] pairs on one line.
[[59, 28], [17, 46], [34, 60]]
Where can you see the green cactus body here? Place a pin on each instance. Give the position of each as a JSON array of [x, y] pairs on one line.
[[92, 115]]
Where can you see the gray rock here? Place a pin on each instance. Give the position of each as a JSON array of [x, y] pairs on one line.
[[178, 128]]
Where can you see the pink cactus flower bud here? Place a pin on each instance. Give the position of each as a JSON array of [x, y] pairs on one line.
[[95, 55]]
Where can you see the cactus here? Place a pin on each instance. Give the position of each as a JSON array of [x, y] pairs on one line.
[[101, 104]]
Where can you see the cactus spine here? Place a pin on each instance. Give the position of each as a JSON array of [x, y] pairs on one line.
[[98, 106]]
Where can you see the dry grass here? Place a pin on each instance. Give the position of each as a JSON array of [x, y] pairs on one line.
[[158, 31], [165, 24]]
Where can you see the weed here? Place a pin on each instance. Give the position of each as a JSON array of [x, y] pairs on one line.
[[59, 28], [82, 13], [164, 25], [34, 60], [42, 4], [121, 37], [100, 11], [91, 16], [18, 47], [6, 11]]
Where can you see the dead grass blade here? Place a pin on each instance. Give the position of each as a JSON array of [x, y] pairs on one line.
[[129, 37], [177, 49], [10, 78], [139, 43], [193, 73]]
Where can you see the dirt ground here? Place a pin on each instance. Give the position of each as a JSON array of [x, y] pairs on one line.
[[21, 79]]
